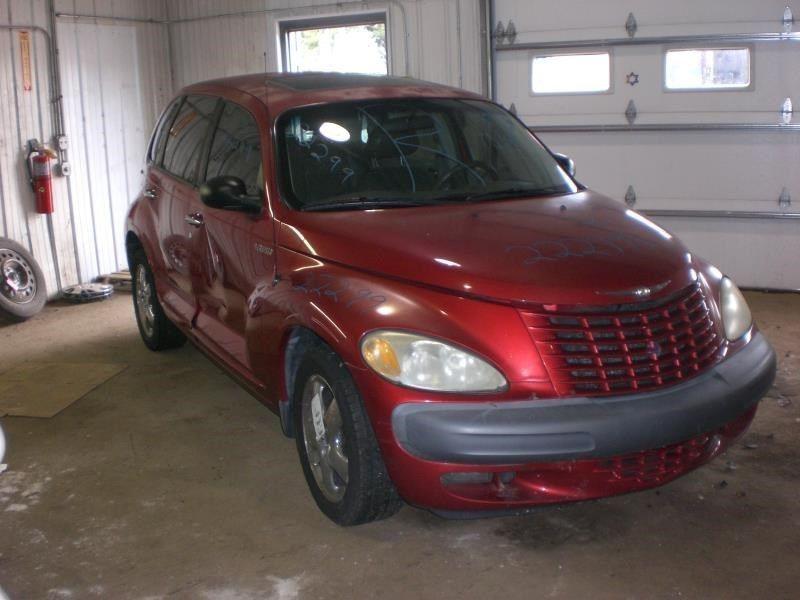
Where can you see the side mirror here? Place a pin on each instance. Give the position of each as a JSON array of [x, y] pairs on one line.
[[227, 192], [566, 163]]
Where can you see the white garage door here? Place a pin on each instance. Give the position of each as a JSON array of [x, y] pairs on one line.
[[708, 147]]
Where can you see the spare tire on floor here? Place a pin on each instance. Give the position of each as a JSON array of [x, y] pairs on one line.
[[22, 287]]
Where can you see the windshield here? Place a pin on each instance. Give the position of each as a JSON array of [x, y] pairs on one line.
[[410, 152]]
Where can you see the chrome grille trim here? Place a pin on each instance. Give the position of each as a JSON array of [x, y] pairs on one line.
[[626, 348]]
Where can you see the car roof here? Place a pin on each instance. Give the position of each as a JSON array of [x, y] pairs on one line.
[[281, 91]]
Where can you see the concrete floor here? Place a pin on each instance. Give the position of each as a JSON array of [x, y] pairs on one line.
[[168, 481]]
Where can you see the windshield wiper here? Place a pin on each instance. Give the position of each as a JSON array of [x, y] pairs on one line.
[[518, 192], [364, 202]]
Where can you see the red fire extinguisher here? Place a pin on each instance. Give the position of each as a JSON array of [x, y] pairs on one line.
[[38, 163]]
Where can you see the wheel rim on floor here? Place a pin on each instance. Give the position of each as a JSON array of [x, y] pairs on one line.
[[144, 301], [17, 279], [323, 437]]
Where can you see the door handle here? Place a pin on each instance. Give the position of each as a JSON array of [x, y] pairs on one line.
[[150, 193], [194, 219]]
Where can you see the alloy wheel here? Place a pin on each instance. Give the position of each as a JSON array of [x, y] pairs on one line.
[[144, 301], [323, 437]]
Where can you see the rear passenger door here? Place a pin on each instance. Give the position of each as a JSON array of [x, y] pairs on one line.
[[179, 226], [157, 193]]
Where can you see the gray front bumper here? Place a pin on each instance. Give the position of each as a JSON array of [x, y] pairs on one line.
[[545, 430]]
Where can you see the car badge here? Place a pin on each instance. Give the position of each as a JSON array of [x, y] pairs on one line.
[[262, 249], [639, 292]]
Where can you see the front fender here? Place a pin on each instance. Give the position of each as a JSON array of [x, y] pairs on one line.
[[340, 305]]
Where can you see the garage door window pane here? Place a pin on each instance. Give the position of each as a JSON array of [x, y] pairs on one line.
[[571, 73], [710, 68], [343, 47]]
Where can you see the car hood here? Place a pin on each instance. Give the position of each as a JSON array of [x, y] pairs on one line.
[[580, 248]]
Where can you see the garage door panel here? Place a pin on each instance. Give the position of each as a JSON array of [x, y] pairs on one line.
[[773, 65], [709, 169], [539, 20], [720, 168], [756, 253]]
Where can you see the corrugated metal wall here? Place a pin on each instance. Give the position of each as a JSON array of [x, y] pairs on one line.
[[23, 115], [115, 79], [437, 40]]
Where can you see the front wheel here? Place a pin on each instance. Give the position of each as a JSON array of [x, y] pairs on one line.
[[341, 460]]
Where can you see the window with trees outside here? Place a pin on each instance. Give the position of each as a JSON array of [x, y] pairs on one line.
[[707, 68], [347, 44]]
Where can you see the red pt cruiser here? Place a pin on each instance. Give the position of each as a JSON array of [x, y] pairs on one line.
[[438, 311]]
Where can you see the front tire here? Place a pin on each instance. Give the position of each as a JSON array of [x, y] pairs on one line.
[[157, 331], [341, 460]]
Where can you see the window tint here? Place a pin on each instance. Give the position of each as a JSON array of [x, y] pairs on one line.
[[186, 136], [160, 135], [707, 68], [236, 149], [571, 73]]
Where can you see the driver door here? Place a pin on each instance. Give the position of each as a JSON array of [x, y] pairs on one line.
[[237, 253]]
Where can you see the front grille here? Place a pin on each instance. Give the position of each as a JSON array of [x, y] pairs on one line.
[[625, 348], [652, 467]]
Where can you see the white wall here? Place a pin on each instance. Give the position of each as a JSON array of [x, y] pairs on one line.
[[24, 115], [441, 38], [115, 80]]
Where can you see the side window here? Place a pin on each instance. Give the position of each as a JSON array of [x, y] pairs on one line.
[[160, 135], [236, 149], [187, 134]]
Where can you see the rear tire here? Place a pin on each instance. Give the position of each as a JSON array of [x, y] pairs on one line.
[[341, 460], [22, 288], [157, 331]]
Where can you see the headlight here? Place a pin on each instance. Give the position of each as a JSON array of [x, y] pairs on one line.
[[428, 364], [736, 315]]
